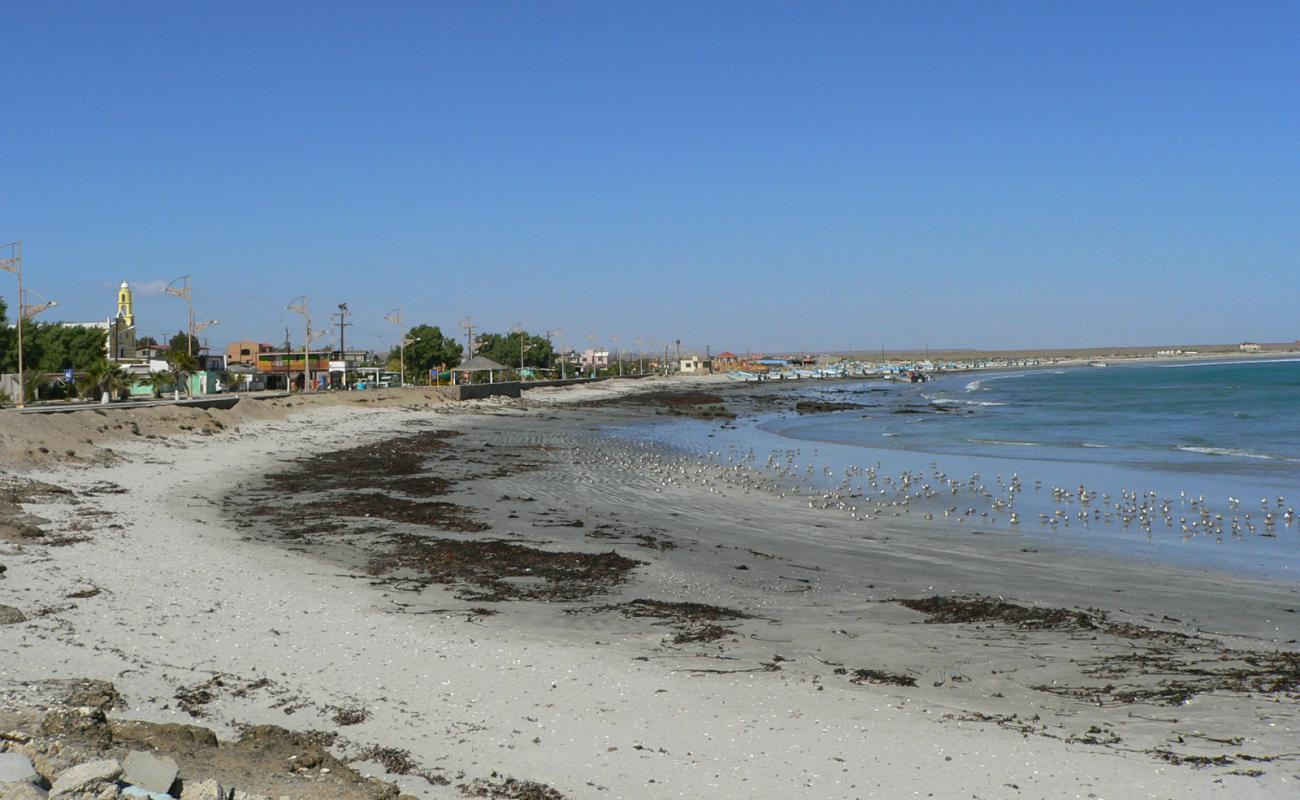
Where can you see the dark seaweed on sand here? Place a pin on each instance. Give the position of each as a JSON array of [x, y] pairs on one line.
[[1173, 668], [371, 465], [882, 677], [489, 565], [509, 789], [950, 610], [693, 622]]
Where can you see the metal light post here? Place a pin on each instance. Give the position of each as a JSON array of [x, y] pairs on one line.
[[402, 359], [31, 309], [550, 366], [185, 292], [199, 327], [27, 310], [299, 306], [395, 317], [14, 264]]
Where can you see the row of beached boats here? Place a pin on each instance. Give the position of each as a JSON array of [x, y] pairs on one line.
[[904, 372]]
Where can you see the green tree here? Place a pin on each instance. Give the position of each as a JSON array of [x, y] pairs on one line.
[[181, 366], [428, 349], [503, 348], [107, 378], [8, 342], [146, 341], [56, 347], [183, 342]]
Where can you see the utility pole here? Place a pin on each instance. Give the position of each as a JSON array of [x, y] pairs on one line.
[[343, 348], [468, 325]]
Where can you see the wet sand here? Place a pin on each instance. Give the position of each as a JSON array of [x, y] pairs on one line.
[[608, 619]]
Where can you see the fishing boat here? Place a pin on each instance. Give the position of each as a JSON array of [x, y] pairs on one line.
[[1098, 364]]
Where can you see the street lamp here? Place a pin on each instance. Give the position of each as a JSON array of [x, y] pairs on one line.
[[13, 262], [402, 360], [26, 310], [299, 306], [200, 327], [395, 317], [185, 292], [550, 335]]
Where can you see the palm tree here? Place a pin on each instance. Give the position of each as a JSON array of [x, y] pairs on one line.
[[156, 381], [108, 378], [181, 365]]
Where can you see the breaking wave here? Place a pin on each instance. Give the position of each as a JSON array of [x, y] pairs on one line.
[[1232, 452]]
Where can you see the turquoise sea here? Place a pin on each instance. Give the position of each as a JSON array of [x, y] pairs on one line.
[[1190, 463]]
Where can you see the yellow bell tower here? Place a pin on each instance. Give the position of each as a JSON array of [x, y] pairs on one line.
[[124, 310]]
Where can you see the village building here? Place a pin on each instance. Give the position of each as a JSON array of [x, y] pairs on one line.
[[280, 370], [726, 360], [593, 359], [695, 365], [246, 352]]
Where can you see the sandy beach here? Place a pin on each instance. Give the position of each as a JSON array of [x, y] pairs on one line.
[[462, 594]]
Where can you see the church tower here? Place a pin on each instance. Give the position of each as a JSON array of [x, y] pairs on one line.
[[124, 310]]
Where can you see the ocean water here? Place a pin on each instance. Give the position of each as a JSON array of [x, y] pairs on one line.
[[1209, 419], [1196, 464]]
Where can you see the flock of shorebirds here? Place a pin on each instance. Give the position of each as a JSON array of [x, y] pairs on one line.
[[867, 492]]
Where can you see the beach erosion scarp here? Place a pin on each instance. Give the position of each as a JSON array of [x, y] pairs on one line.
[[462, 595]]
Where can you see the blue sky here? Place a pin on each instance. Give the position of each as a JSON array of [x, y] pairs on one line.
[[743, 175]]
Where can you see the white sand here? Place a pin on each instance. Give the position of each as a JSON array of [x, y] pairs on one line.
[[564, 700]]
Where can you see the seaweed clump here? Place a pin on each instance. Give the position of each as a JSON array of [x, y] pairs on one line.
[[692, 622], [877, 676], [951, 610], [502, 570], [509, 789]]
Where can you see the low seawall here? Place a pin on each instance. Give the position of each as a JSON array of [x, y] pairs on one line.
[[479, 391]]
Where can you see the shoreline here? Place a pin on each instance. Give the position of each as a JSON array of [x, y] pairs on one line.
[[613, 700]]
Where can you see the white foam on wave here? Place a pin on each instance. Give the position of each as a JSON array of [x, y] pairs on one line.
[[1233, 452], [952, 401], [1000, 441], [978, 384], [1227, 363], [1090, 444]]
